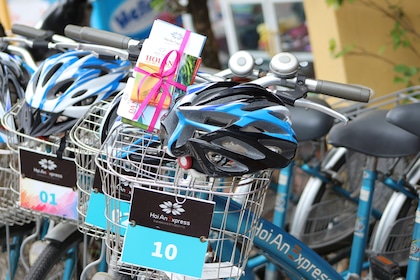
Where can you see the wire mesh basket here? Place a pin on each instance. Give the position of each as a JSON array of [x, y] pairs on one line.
[[325, 228], [10, 212], [134, 167], [85, 135], [18, 140], [398, 241]]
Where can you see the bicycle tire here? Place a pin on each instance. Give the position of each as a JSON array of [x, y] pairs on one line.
[[51, 256], [335, 230], [392, 235], [316, 193]]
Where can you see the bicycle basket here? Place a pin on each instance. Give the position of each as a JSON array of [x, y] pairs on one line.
[[134, 166], [10, 212], [85, 135], [45, 147]]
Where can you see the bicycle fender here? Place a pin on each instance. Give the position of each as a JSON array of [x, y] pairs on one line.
[[60, 232], [389, 217]]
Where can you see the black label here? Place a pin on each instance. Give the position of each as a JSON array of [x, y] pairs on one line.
[[167, 212], [47, 168]]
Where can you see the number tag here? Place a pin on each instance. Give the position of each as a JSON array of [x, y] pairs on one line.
[[47, 184], [114, 217], [163, 250], [173, 231]]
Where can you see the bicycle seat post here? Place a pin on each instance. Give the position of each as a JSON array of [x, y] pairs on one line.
[[361, 230]]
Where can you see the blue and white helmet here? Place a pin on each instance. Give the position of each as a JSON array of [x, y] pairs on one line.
[[225, 129], [14, 77], [66, 85]]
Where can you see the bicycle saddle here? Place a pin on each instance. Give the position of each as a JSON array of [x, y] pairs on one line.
[[372, 135], [310, 124], [406, 117]]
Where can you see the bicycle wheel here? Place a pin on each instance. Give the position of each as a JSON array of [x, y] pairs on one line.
[[320, 225], [393, 234], [10, 249], [314, 216], [50, 264]]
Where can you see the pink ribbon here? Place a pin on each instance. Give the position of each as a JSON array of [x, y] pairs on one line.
[[165, 79]]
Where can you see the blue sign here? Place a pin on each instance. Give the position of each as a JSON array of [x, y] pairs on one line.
[[164, 250]]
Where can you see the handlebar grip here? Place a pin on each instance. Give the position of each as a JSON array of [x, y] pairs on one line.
[[30, 32], [97, 36], [349, 92]]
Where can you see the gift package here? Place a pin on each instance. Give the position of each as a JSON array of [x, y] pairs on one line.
[[167, 64]]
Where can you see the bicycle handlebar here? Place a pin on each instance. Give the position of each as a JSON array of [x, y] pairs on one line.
[[30, 32], [98, 36], [345, 91], [38, 34], [350, 92]]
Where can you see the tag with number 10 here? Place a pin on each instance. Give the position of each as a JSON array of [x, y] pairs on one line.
[[167, 232]]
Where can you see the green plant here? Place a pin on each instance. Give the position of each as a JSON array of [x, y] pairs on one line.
[[402, 34]]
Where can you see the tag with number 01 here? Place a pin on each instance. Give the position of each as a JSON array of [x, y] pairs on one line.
[[167, 232], [48, 184]]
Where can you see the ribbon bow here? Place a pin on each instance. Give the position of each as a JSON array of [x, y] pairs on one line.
[[165, 80]]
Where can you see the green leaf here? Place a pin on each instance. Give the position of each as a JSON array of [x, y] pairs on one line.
[[347, 49], [382, 49], [332, 45], [401, 68], [413, 70], [158, 5], [406, 43], [401, 80]]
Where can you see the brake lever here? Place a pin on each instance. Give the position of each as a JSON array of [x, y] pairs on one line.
[[24, 54], [304, 103]]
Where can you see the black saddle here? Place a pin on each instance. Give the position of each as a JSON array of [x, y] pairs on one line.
[[310, 124], [407, 117], [371, 134]]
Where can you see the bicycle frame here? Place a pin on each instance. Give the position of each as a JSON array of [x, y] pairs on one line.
[[297, 260], [413, 268], [280, 247]]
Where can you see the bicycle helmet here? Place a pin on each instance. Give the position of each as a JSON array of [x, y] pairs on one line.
[[13, 80], [225, 129], [66, 85]]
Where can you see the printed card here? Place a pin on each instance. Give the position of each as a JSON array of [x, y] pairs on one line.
[[48, 184]]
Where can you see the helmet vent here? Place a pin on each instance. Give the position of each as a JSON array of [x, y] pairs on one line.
[[86, 101], [263, 127], [219, 122], [103, 70], [51, 73], [62, 88], [79, 93]]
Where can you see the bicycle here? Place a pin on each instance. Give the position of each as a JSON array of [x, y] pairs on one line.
[[110, 215], [336, 185], [54, 145], [401, 117], [332, 89], [15, 68]]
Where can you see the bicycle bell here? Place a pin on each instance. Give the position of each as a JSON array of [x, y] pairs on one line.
[[285, 65], [241, 63]]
